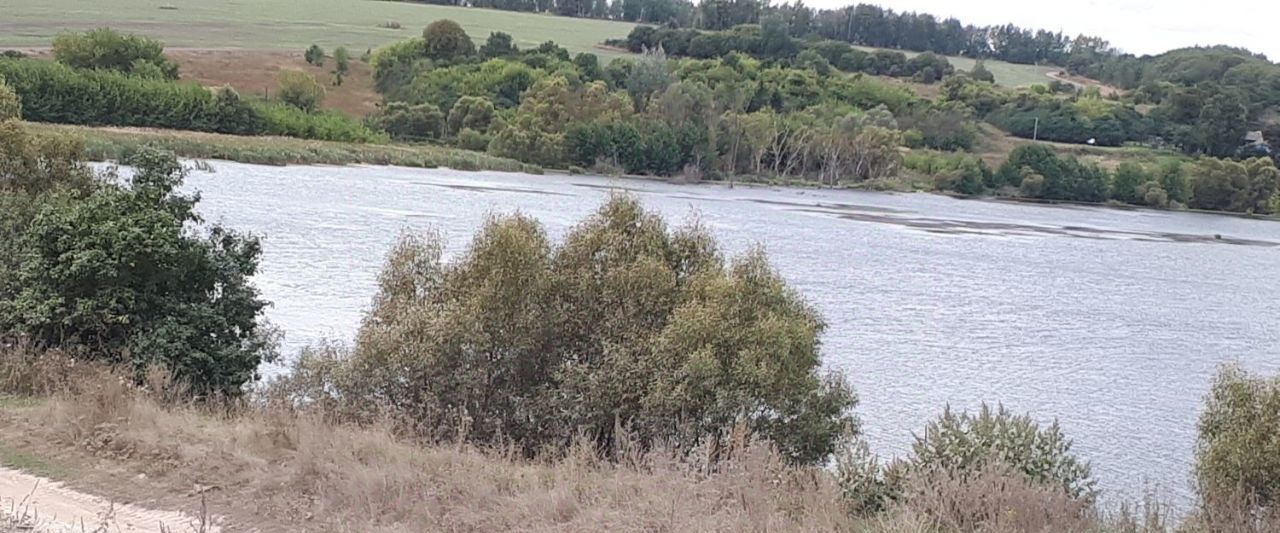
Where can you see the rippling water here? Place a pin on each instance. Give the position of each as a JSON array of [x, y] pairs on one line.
[[1112, 321]]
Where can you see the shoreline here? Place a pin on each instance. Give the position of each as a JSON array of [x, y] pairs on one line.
[[109, 143]]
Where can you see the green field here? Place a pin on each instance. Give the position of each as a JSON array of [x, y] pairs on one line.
[[1007, 74], [292, 24]]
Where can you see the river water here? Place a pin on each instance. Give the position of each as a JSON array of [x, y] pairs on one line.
[[1111, 321]]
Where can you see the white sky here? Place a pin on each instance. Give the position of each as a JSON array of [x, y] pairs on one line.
[[1137, 26]]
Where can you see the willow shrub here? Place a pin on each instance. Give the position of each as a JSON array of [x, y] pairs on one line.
[[624, 326], [1238, 450], [963, 443]]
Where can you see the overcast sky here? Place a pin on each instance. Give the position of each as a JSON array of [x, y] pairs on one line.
[[1137, 26]]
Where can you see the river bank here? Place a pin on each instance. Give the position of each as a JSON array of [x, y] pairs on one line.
[[111, 143]]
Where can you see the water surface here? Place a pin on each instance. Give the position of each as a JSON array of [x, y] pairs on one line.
[[1112, 321]]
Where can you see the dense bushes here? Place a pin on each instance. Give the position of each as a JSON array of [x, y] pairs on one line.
[[410, 122], [1238, 449], [1080, 121], [120, 272], [51, 92], [624, 326], [1247, 186], [1059, 179], [109, 50]]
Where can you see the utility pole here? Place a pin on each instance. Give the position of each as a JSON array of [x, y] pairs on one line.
[[1035, 133]]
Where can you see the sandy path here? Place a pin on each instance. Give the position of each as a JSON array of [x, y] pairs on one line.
[[49, 507]]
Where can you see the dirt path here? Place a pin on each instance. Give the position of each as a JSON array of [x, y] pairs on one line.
[[33, 504]]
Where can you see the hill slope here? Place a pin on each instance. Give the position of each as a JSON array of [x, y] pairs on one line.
[[289, 24]]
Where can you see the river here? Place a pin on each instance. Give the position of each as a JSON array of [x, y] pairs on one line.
[[1111, 321]]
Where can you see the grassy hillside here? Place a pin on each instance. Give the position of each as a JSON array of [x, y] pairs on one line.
[[1008, 74], [291, 24]]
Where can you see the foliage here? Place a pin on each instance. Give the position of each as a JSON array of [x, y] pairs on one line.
[[1125, 182], [10, 105], [121, 273], [1062, 178], [1238, 447], [109, 50], [51, 92], [967, 443], [445, 39], [981, 73], [499, 44], [314, 55], [469, 139], [299, 89], [288, 121], [341, 61], [470, 112], [410, 122], [1245, 186], [532, 342]]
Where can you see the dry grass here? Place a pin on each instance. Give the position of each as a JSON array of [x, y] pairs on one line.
[[276, 469], [260, 467]]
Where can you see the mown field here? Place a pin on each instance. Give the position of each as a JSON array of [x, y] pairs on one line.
[[289, 24], [1007, 74]]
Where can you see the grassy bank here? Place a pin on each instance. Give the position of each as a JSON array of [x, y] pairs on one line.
[[109, 144]]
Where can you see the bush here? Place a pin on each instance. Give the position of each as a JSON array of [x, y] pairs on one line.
[[288, 121], [623, 326], [299, 89], [10, 106], [411, 123], [470, 112], [445, 39], [469, 139], [964, 443], [1238, 448], [120, 273], [314, 55], [499, 44], [110, 50]]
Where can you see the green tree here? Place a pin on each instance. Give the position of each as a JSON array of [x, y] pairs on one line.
[[445, 39], [1125, 182], [1222, 124], [341, 62], [314, 55], [110, 50], [623, 324], [10, 105], [499, 44], [299, 89], [649, 75], [1174, 181], [1219, 184], [1238, 448], [127, 274], [981, 73]]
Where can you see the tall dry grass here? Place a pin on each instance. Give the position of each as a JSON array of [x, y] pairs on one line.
[[268, 467]]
